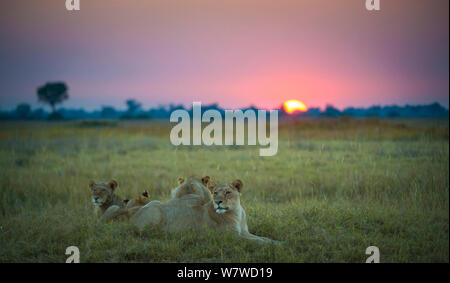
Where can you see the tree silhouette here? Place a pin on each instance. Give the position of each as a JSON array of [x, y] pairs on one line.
[[108, 112], [23, 110], [53, 93], [133, 106], [331, 111]]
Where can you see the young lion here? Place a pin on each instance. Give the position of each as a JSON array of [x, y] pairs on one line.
[[140, 200], [193, 206], [104, 198], [128, 208], [136, 203]]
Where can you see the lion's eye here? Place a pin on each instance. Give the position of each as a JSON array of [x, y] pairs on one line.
[[228, 192], [215, 193]]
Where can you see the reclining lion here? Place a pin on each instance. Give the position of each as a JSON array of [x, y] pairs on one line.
[[191, 193], [110, 206], [104, 197], [193, 205], [131, 207], [136, 203]]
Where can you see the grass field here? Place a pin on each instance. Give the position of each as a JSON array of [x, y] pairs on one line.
[[335, 187]]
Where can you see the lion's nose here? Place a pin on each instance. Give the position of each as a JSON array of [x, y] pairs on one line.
[[218, 202]]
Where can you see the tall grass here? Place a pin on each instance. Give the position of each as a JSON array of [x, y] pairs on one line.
[[335, 187]]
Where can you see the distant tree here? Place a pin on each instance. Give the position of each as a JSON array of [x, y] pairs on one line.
[[349, 111], [108, 112], [330, 111], [143, 116], [38, 114], [5, 115], [133, 106], [313, 111], [393, 114], [23, 110], [52, 94], [374, 111], [436, 110]]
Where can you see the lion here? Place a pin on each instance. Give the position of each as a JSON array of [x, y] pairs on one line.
[[133, 205], [104, 197], [110, 206], [191, 193], [199, 205], [140, 200], [128, 210]]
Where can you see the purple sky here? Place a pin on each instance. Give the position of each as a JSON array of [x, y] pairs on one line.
[[235, 53]]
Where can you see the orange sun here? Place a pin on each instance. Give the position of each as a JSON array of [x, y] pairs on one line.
[[291, 106]]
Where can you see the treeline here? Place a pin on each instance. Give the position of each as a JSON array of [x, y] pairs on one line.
[[135, 111], [53, 93], [435, 110]]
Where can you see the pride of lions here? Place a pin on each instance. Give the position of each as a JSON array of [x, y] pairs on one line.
[[194, 204]]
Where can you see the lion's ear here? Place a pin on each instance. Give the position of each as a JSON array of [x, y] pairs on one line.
[[237, 184], [112, 184], [145, 194], [205, 180], [180, 180], [92, 185]]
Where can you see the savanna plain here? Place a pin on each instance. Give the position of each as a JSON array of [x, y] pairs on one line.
[[335, 187]]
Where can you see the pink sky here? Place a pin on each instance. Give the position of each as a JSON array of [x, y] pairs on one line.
[[235, 53]]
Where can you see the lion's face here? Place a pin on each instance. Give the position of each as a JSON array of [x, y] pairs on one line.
[[102, 193], [226, 197]]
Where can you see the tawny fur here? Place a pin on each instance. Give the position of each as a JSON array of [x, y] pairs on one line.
[[104, 197], [129, 209], [193, 206]]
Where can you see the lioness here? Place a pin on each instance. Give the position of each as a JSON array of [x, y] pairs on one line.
[[103, 196], [193, 205], [191, 193]]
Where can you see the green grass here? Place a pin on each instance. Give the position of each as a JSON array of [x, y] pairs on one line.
[[335, 187]]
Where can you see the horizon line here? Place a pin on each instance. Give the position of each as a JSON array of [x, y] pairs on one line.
[[167, 105]]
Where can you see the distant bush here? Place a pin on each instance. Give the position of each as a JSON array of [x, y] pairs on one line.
[[23, 110], [55, 116], [140, 116], [96, 123]]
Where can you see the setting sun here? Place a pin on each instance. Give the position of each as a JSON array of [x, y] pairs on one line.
[[293, 105]]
